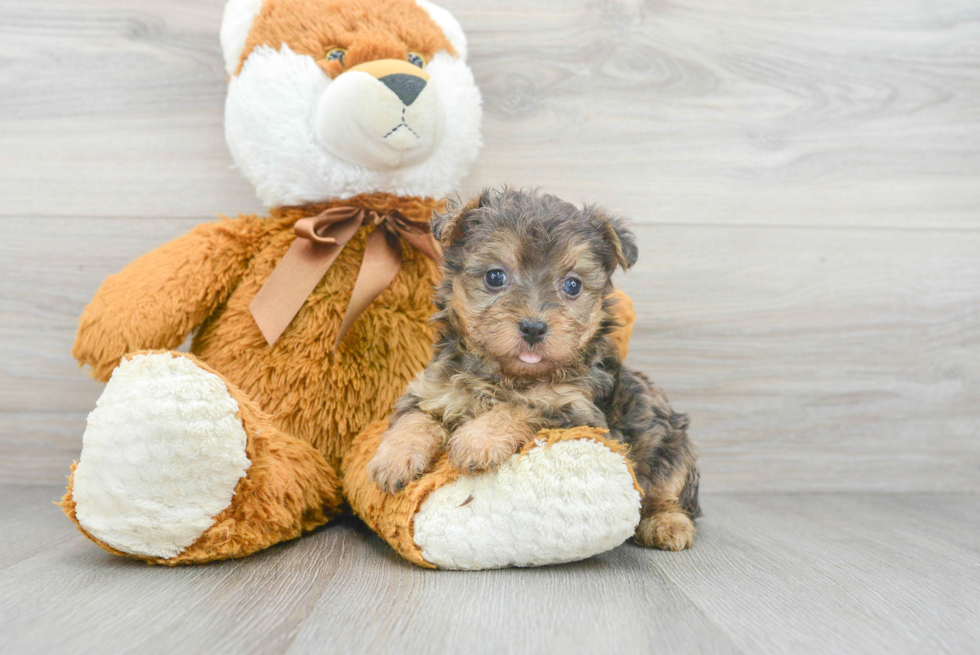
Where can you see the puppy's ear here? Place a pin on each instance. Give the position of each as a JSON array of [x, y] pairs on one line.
[[617, 233], [450, 225]]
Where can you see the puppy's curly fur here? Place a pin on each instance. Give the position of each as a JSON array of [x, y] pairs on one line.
[[524, 317]]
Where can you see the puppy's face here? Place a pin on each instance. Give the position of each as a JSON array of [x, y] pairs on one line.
[[527, 275]]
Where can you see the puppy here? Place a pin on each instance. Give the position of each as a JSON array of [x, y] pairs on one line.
[[523, 324]]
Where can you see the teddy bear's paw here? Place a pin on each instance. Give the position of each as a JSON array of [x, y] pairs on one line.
[[553, 503], [666, 531], [162, 453]]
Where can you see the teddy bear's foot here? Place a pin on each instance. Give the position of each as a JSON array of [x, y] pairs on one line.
[[179, 466], [566, 496]]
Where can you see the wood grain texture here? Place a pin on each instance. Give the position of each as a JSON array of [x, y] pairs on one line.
[[840, 573], [695, 111], [816, 359], [115, 108], [805, 177], [31, 523]]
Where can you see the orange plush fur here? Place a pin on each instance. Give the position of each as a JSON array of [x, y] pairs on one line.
[[367, 29], [311, 394], [209, 276]]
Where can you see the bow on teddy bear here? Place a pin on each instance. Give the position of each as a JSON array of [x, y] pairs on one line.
[[245, 441]]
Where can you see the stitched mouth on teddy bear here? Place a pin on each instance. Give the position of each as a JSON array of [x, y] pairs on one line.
[[404, 139]]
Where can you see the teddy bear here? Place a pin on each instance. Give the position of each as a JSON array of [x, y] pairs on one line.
[[352, 119]]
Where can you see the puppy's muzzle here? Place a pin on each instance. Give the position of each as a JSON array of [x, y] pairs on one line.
[[532, 331]]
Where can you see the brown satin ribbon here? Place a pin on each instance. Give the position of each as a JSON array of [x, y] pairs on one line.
[[319, 240]]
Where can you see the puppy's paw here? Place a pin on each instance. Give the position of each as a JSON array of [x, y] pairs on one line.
[[473, 449], [666, 531], [490, 439], [395, 465], [476, 456], [405, 452]]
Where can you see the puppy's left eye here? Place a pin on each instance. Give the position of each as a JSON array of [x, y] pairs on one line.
[[415, 59], [572, 287]]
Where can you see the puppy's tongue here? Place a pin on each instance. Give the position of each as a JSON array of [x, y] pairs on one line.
[[529, 358]]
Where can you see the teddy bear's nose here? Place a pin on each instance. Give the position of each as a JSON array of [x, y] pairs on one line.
[[406, 87]]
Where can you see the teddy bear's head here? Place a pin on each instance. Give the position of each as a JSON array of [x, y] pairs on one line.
[[332, 98]]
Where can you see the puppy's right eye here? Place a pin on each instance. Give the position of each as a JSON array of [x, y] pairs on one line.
[[495, 278]]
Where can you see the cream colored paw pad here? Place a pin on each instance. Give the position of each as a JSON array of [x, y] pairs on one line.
[[560, 503], [162, 453]]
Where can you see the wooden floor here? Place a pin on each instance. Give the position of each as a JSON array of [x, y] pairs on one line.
[[804, 573], [805, 180]]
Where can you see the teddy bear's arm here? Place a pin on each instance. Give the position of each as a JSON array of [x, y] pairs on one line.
[[156, 300], [625, 315]]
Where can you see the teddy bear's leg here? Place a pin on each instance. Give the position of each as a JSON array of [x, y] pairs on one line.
[[566, 496], [179, 466]]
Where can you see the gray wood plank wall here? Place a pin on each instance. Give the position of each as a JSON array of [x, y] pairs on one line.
[[805, 178]]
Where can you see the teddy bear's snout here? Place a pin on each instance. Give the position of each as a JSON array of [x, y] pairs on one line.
[[382, 114]]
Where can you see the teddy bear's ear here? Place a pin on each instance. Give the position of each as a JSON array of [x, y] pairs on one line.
[[235, 26], [450, 225], [617, 233], [449, 25]]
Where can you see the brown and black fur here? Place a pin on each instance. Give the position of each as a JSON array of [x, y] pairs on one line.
[[481, 398]]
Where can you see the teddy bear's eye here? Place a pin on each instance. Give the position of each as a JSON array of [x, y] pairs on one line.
[[416, 59], [336, 54]]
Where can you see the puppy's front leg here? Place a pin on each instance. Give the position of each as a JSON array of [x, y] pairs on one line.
[[668, 511], [490, 439], [406, 450]]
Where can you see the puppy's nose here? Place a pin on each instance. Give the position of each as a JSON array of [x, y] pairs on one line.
[[532, 331], [406, 87]]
